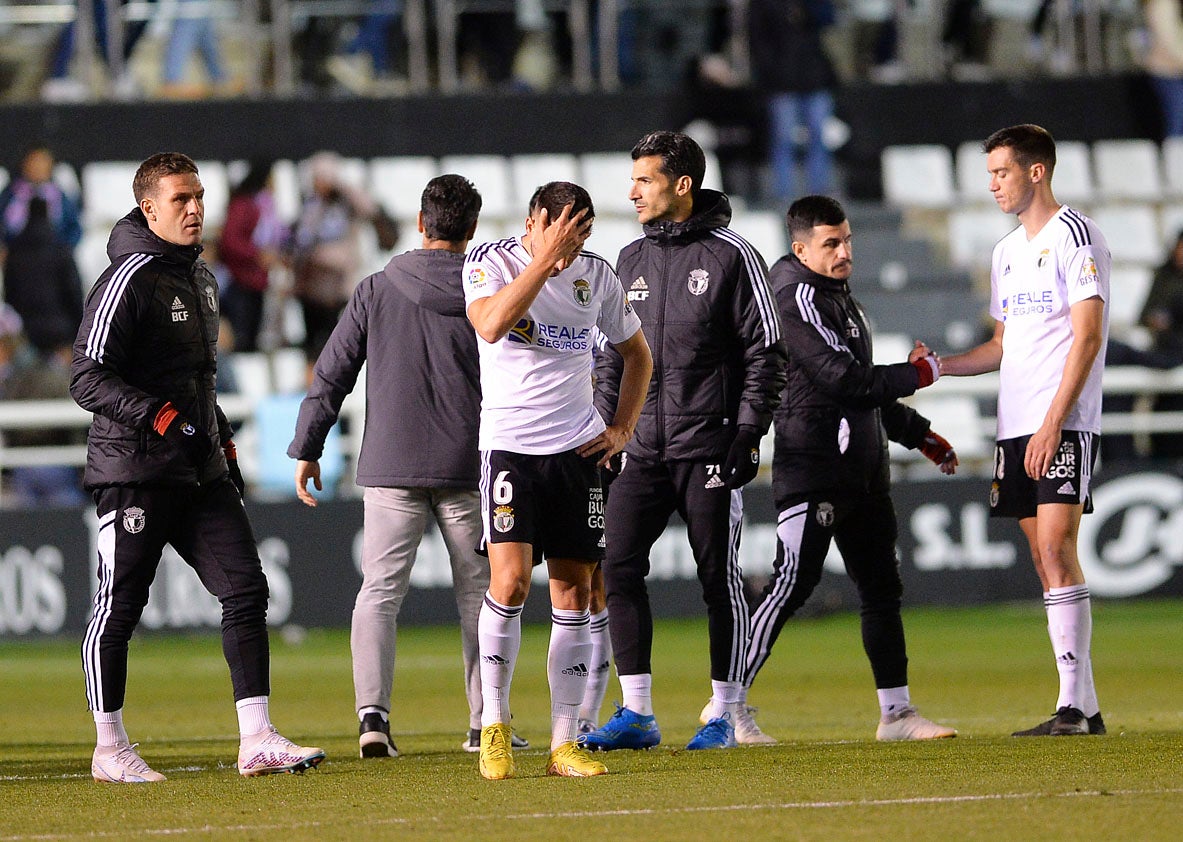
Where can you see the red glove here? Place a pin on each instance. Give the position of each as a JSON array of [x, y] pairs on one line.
[[938, 450], [928, 369], [232, 464], [178, 431]]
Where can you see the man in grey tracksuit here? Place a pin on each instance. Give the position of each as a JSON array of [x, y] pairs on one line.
[[419, 453]]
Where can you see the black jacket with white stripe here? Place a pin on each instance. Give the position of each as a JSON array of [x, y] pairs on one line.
[[702, 294], [839, 409], [149, 334]]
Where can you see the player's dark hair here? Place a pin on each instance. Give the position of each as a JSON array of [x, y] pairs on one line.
[[810, 211], [1029, 143], [255, 180], [157, 167], [450, 205], [679, 154], [556, 195]]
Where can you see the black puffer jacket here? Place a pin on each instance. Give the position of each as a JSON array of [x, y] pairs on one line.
[[839, 410], [149, 334], [702, 294]]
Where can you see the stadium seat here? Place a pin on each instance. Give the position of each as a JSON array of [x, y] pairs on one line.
[[490, 174], [274, 420], [91, 255], [973, 232], [529, 172], [1131, 230], [712, 179], [354, 173], [1128, 169], [289, 371], [1172, 166], [216, 180], [607, 176], [106, 192], [1170, 223], [957, 418], [1072, 179], [285, 186], [610, 234], [3, 178], [918, 176], [973, 182], [890, 348], [252, 373], [765, 230], [398, 183], [65, 176], [1129, 286]]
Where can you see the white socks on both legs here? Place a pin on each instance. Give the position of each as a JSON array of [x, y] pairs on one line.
[[567, 668], [499, 636], [1070, 627], [599, 667], [727, 697], [109, 728]]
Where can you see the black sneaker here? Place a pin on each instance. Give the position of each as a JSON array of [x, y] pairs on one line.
[[473, 743], [1067, 721], [374, 737]]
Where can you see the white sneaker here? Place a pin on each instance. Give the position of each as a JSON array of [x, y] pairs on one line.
[[747, 732], [121, 764], [586, 726], [271, 752], [910, 725]]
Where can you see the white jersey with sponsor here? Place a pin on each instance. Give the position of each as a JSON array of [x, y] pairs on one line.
[[1033, 284], [536, 381]]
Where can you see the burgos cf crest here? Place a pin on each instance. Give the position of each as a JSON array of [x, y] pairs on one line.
[[134, 519], [825, 514], [698, 281], [503, 518], [582, 291]]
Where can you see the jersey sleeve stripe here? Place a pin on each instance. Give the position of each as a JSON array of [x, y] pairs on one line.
[[1079, 228], [811, 316], [759, 281], [96, 343]]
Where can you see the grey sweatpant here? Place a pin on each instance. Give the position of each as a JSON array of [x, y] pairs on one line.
[[395, 520]]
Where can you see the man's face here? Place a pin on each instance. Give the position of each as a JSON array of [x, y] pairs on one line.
[[176, 210], [655, 196], [826, 250], [1010, 182], [37, 166]]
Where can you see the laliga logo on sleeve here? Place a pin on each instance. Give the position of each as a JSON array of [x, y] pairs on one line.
[[475, 277]]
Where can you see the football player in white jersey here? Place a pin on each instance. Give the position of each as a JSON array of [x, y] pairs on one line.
[[535, 301], [1049, 298]]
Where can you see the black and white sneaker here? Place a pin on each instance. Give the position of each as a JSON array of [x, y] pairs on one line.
[[473, 743], [1067, 721], [374, 737]]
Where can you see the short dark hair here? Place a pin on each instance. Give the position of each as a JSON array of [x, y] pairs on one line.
[[450, 205], [157, 167], [1029, 143], [808, 212], [679, 154], [556, 195]]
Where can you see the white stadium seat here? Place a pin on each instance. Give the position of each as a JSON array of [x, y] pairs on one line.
[[607, 176], [66, 178], [216, 180], [1128, 286], [285, 186], [918, 176], [398, 183], [1128, 169], [765, 230], [1131, 232], [490, 174], [888, 348], [3, 178], [106, 192], [973, 232], [1170, 219], [973, 182], [610, 234], [529, 172], [1072, 179], [1172, 166]]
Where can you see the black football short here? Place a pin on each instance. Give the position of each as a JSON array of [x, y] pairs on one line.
[[1014, 494]]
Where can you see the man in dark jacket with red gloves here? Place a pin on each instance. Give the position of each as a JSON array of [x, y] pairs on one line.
[[162, 466], [830, 469]]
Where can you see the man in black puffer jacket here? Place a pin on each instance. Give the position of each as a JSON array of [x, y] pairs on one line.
[[162, 466], [702, 294], [830, 471]]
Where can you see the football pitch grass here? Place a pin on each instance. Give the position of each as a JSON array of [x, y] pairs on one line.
[[986, 671]]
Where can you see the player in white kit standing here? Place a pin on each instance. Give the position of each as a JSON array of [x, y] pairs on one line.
[[1049, 289], [534, 301]]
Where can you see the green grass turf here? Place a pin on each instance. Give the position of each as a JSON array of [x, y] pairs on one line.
[[984, 670]]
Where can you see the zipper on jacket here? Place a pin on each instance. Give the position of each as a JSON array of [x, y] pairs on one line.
[[198, 391], [659, 356]]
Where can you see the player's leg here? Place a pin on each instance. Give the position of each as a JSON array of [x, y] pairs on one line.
[[214, 537], [458, 514], [600, 665], [866, 537], [133, 529], [394, 521]]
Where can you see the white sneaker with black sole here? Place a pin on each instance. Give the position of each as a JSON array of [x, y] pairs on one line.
[[374, 737], [473, 743]]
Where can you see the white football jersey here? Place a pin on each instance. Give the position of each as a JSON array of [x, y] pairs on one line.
[[1033, 283], [536, 381]]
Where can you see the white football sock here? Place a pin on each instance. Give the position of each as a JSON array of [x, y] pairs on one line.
[[109, 728], [892, 700], [567, 669], [1069, 625], [499, 637], [599, 668], [726, 696], [361, 714], [253, 716], [638, 692]]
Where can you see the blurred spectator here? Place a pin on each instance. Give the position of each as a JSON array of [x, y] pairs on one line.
[[365, 64], [966, 38], [59, 87], [253, 238], [327, 250], [193, 29], [25, 376], [1164, 60], [1162, 313], [489, 42], [41, 283], [790, 64], [876, 40], [36, 181]]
